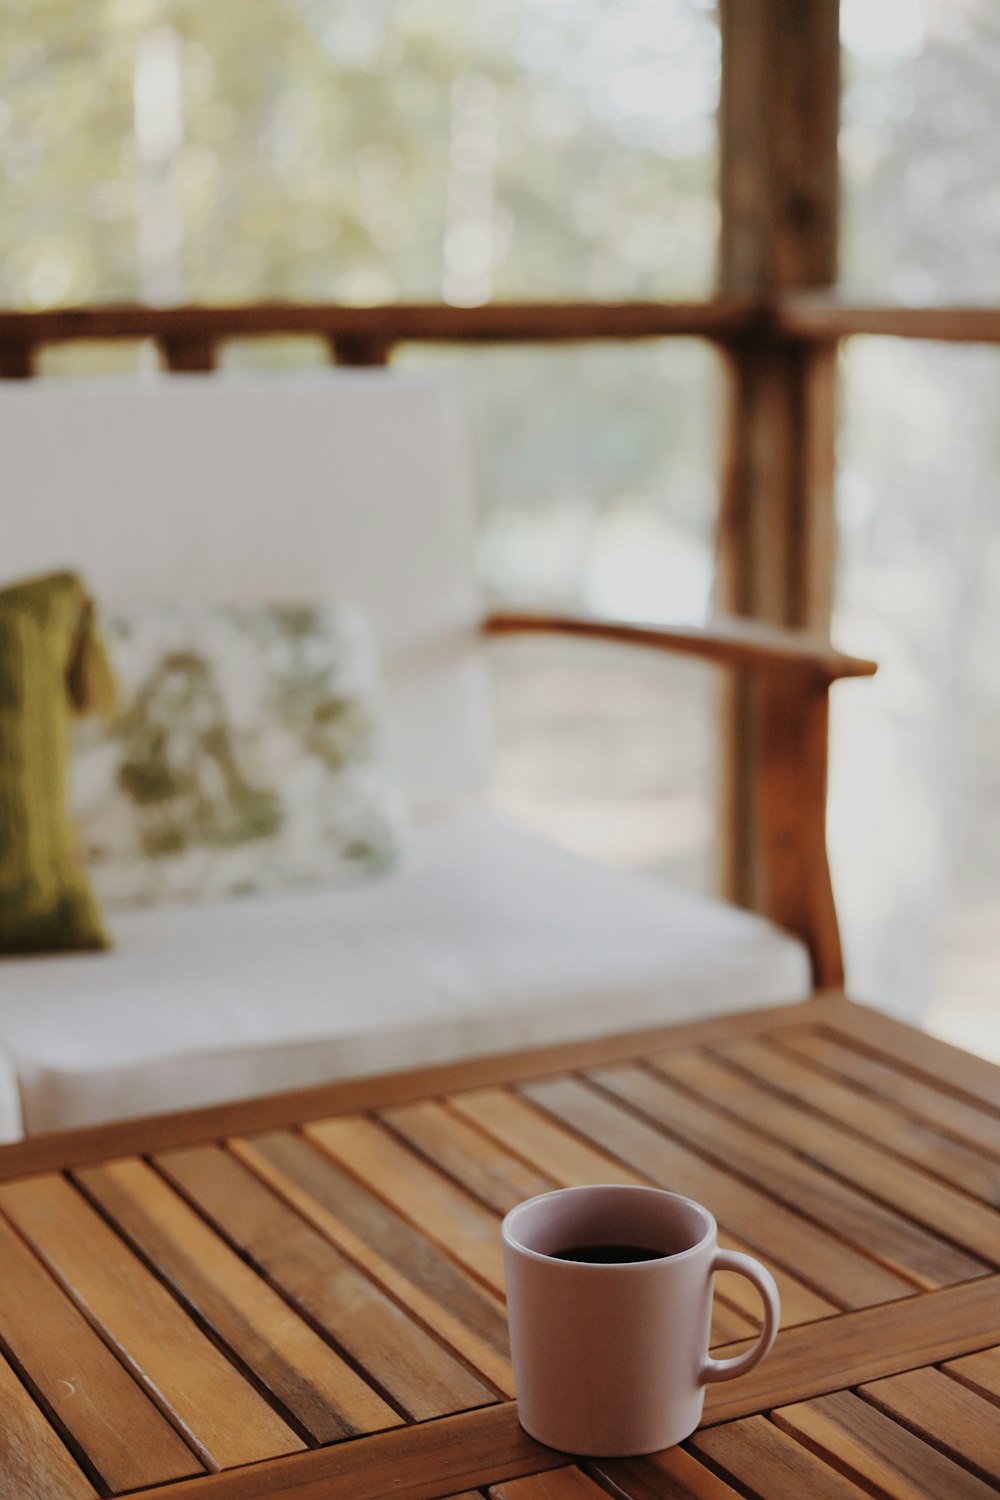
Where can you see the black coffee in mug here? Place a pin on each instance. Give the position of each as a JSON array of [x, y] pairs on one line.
[[607, 1255]]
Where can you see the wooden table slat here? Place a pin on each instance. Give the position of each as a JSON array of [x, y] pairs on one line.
[[864, 1346], [874, 1449], [876, 1196], [914, 1097], [981, 1371], [222, 1416], [674, 1474], [769, 1461], [556, 1484], [34, 1464], [964, 1424], [311, 1381], [920, 1140], [388, 1247], [498, 1177], [836, 1269], [519, 1126], [80, 1379], [936, 1062], [406, 1365], [422, 1462], [443, 1213], [570, 1161], [729, 1325], [883, 1136]]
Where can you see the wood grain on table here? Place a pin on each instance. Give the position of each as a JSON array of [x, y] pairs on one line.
[[303, 1297]]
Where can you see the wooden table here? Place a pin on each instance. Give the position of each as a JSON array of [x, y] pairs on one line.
[[301, 1297]]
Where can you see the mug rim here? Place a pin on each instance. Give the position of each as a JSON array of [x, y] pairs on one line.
[[508, 1236]]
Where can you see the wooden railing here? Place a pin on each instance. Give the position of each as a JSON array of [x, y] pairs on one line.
[[189, 337], [805, 317]]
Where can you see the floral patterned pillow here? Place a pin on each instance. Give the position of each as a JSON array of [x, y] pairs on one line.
[[245, 757]]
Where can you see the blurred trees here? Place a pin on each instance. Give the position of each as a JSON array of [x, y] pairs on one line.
[[356, 150], [920, 150], [372, 150], [917, 793]]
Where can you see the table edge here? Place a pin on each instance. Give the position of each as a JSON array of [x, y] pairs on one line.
[[966, 1073]]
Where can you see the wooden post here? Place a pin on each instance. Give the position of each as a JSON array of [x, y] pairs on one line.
[[17, 360], [779, 116], [190, 352], [360, 351]]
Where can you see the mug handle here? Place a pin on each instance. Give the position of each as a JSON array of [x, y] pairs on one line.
[[745, 1265]]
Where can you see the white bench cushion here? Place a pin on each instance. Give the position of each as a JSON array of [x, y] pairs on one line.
[[488, 939]]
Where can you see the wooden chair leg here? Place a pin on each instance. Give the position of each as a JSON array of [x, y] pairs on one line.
[[791, 780]]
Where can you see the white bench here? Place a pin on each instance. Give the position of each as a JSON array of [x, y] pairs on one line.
[[356, 486]]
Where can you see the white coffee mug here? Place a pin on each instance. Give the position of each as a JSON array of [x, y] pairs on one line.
[[610, 1351]]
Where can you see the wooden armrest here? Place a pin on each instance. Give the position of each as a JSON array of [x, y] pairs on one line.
[[787, 762], [728, 641]]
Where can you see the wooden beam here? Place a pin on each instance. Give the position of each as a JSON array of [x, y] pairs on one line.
[[496, 322], [809, 317], [188, 351], [17, 358], [779, 316], [359, 351], [779, 116]]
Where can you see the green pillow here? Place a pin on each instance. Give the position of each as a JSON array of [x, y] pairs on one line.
[[51, 664]]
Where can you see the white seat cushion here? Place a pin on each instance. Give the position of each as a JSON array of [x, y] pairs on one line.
[[488, 939]]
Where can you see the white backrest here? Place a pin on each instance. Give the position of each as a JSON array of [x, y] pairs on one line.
[[355, 485]]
